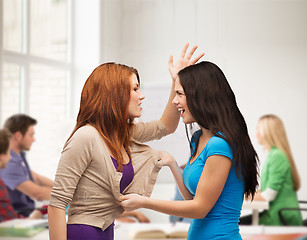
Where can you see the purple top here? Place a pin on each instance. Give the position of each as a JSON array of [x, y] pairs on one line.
[[16, 172], [128, 174], [82, 231]]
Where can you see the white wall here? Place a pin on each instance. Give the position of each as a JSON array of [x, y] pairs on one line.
[[261, 46]]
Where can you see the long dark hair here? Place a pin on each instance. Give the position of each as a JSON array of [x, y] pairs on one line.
[[213, 105]]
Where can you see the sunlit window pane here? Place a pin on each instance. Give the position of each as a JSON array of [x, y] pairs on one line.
[[12, 25], [49, 29], [10, 91], [48, 87]]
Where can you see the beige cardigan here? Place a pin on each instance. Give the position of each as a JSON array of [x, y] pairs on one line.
[[87, 180]]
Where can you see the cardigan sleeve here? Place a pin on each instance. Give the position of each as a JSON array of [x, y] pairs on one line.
[[75, 157], [144, 132]]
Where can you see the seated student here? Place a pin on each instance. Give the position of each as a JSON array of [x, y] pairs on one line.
[[279, 176], [23, 184], [7, 211]]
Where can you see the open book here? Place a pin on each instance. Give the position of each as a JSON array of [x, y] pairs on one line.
[[23, 227], [156, 231]]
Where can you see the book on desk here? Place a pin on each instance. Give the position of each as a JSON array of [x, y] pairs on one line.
[[158, 231], [23, 227]]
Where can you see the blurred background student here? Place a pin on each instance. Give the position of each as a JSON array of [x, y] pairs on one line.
[[279, 176], [23, 185], [7, 211]]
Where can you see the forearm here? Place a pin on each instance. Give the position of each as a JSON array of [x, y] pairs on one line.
[[44, 181], [35, 191], [170, 116], [43, 194], [57, 223], [186, 209], [36, 215], [177, 173], [39, 193]]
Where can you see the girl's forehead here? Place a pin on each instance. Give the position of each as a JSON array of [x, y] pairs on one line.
[[178, 84], [133, 79]]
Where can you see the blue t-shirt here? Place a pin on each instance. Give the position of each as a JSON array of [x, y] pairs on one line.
[[16, 172], [222, 220]]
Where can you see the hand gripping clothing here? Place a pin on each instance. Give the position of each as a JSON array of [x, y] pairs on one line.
[[87, 180]]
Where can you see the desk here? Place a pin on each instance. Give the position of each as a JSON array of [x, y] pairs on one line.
[[249, 232], [44, 235], [123, 231], [255, 206], [24, 227], [290, 236]]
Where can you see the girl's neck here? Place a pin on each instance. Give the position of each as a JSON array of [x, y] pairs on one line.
[[267, 147], [202, 142], [206, 134]]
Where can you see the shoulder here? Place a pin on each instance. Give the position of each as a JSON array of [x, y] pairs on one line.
[[277, 152], [86, 133], [219, 146], [276, 156], [218, 142], [84, 137], [13, 166], [2, 185]]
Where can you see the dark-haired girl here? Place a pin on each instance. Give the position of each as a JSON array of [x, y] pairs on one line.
[[223, 163]]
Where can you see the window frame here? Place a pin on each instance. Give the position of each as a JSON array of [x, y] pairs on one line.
[[24, 59]]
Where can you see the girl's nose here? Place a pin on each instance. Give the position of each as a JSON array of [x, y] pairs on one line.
[[142, 96], [175, 101]]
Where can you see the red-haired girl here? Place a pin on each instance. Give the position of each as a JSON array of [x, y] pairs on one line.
[[105, 155]]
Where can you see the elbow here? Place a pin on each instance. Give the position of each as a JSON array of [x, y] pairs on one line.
[[199, 211], [38, 196], [200, 214], [41, 195], [171, 130]]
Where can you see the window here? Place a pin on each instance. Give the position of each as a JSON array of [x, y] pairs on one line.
[[36, 70]]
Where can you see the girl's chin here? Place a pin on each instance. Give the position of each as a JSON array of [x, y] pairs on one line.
[[185, 121], [135, 116]]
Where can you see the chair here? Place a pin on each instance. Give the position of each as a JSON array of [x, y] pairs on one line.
[[283, 220]]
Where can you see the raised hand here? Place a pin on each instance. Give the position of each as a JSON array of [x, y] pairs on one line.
[[183, 61]]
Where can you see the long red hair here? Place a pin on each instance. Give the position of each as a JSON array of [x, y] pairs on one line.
[[104, 100]]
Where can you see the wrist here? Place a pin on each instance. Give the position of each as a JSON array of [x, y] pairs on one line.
[[144, 202]]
